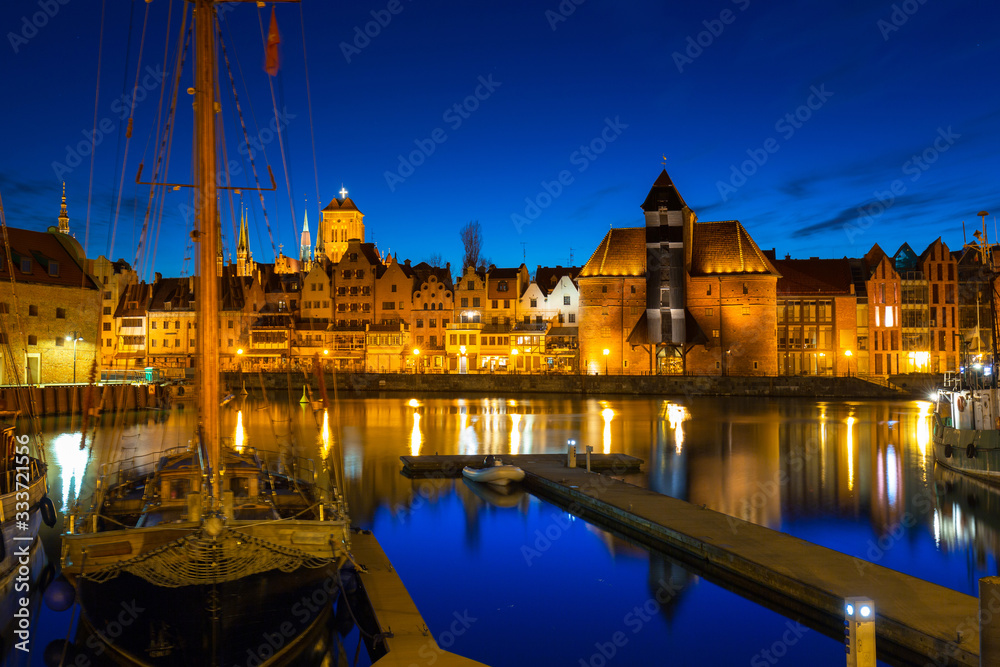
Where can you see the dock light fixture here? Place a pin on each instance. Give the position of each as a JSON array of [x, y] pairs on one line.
[[859, 631]]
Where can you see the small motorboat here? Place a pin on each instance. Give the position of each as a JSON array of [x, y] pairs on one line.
[[494, 472]]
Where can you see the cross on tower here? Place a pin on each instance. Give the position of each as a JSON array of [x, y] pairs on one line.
[[664, 161], [343, 191]]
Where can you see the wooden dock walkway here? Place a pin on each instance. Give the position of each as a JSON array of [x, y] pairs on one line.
[[917, 621], [411, 642], [451, 466]]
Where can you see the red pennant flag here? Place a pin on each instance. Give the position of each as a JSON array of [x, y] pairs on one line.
[[273, 39]]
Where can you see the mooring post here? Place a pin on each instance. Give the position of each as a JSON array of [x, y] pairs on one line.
[[590, 448], [571, 454], [989, 624], [859, 631]]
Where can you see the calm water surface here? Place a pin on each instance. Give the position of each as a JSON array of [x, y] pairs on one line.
[[512, 580]]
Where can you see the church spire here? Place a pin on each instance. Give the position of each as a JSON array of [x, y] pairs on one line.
[[305, 241], [243, 257], [63, 213]]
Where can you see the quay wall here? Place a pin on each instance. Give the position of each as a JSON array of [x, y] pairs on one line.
[[633, 385]]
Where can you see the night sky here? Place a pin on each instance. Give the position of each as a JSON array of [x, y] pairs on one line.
[[823, 127]]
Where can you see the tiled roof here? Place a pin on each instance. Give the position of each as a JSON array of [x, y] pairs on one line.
[[622, 252], [345, 204], [663, 194], [725, 247], [176, 291], [42, 249], [814, 276], [137, 293], [548, 277], [503, 273]]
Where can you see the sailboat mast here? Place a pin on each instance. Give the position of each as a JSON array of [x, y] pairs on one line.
[[207, 217]]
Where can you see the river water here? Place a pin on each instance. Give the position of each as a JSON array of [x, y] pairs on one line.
[[514, 580]]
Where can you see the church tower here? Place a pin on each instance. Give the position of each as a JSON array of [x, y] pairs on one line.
[[340, 222], [305, 244], [244, 258], [64, 214]]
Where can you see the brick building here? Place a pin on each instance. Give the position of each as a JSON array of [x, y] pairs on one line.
[[816, 317], [731, 297], [612, 304], [49, 308]]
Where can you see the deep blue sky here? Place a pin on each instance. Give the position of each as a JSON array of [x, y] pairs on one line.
[[888, 90]]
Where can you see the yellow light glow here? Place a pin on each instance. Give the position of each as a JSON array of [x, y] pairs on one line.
[[72, 462], [676, 415], [923, 426], [608, 414], [606, 352], [888, 316], [416, 351], [515, 434], [414, 403], [239, 436], [850, 453], [514, 352], [416, 439], [324, 434], [239, 351], [326, 351], [848, 353]]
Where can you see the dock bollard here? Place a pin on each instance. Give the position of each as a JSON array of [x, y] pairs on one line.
[[989, 622], [859, 631], [571, 456], [589, 450]]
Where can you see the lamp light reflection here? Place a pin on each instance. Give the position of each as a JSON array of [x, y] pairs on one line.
[[676, 415], [72, 462], [416, 439], [324, 434], [850, 453], [239, 436], [515, 434], [608, 414]]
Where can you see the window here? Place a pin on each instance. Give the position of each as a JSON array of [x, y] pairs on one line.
[[107, 295], [633, 289], [746, 310], [425, 306], [177, 342], [755, 365], [60, 341], [472, 339], [527, 319], [433, 323], [33, 311], [152, 325], [502, 286], [715, 333], [566, 301], [393, 288], [107, 342], [475, 302], [420, 324], [107, 326], [745, 289], [388, 305], [354, 256], [496, 304], [534, 303], [604, 289], [60, 313], [32, 340], [708, 312], [25, 265], [470, 285], [230, 324], [506, 303], [152, 343], [538, 319], [4, 307], [572, 318]]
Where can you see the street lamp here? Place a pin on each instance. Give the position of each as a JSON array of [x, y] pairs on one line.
[[606, 353], [848, 354], [75, 338], [513, 354], [416, 360]]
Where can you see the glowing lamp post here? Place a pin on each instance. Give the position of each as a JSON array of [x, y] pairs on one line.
[[606, 353], [416, 360], [513, 354], [859, 631], [848, 354], [75, 338]]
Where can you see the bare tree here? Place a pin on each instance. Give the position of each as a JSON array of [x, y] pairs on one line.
[[435, 259], [472, 243]]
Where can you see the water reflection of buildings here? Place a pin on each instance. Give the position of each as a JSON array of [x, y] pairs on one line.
[[966, 515]]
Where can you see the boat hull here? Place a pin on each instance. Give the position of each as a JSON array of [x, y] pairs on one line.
[[499, 475], [259, 620], [974, 452]]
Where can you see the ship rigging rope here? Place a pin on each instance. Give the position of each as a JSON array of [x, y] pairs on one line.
[[97, 97], [198, 559], [312, 132], [243, 126]]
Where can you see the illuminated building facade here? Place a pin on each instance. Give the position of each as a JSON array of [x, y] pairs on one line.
[[340, 222]]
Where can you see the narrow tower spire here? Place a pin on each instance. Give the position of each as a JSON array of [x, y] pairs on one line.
[[63, 213]]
